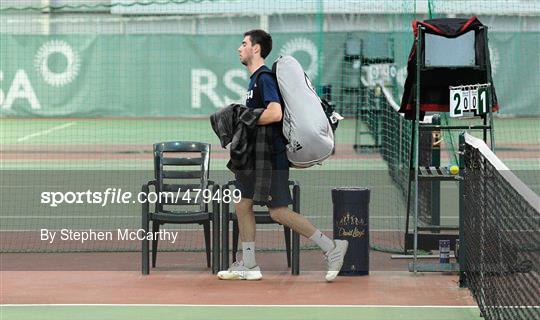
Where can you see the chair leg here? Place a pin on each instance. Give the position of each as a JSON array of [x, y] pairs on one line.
[[295, 253], [155, 228], [216, 252], [295, 236], [287, 232], [235, 234], [206, 226], [225, 237], [145, 245]]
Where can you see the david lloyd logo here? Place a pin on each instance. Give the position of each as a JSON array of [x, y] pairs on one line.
[[21, 88], [351, 226]]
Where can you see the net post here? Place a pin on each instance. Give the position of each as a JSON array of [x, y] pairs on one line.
[[461, 254]]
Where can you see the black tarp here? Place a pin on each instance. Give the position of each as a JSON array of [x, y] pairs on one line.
[[435, 82]]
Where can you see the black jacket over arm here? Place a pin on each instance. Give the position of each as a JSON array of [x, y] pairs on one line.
[[250, 145]]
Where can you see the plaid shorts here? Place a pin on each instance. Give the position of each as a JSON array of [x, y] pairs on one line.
[[280, 194]]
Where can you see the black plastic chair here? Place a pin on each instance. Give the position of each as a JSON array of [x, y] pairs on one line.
[[171, 161], [261, 217]]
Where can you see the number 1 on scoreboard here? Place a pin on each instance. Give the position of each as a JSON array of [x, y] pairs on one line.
[[482, 101]]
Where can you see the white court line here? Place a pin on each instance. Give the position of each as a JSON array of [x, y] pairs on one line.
[[236, 306], [134, 228], [44, 132], [258, 230], [131, 217], [184, 230], [380, 217], [65, 217]]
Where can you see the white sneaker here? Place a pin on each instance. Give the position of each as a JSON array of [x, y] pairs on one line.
[[239, 272], [334, 258]]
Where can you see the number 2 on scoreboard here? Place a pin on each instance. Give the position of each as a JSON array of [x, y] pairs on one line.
[[455, 103]]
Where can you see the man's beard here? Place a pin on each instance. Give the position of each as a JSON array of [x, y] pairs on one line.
[[244, 61]]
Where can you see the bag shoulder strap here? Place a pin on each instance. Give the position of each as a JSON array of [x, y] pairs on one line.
[[260, 88], [272, 74]]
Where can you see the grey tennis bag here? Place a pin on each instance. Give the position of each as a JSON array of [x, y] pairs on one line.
[[307, 121]]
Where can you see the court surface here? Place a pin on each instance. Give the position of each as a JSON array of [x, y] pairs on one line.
[[170, 294]]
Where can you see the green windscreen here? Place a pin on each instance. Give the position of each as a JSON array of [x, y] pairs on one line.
[[87, 87]]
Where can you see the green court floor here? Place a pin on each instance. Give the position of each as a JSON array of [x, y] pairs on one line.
[[109, 312]]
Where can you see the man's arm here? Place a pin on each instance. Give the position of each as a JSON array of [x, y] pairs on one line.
[[271, 114]]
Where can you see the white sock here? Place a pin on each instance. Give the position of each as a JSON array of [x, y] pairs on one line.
[[248, 254], [322, 241]]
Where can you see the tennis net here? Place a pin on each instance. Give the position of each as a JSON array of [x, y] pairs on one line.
[[501, 236]]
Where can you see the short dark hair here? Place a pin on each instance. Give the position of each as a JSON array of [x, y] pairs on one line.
[[262, 38]]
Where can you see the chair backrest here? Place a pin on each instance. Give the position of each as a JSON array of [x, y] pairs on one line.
[[181, 171]]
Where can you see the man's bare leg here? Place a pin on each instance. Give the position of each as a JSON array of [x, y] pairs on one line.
[[293, 220], [246, 219], [247, 228], [302, 225], [334, 250]]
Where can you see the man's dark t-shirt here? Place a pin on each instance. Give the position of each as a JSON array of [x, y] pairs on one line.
[[279, 189], [268, 87]]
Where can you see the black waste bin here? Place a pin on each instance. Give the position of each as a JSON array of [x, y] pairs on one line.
[[351, 223]]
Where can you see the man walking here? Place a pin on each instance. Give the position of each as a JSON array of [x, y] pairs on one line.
[[264, 93]]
